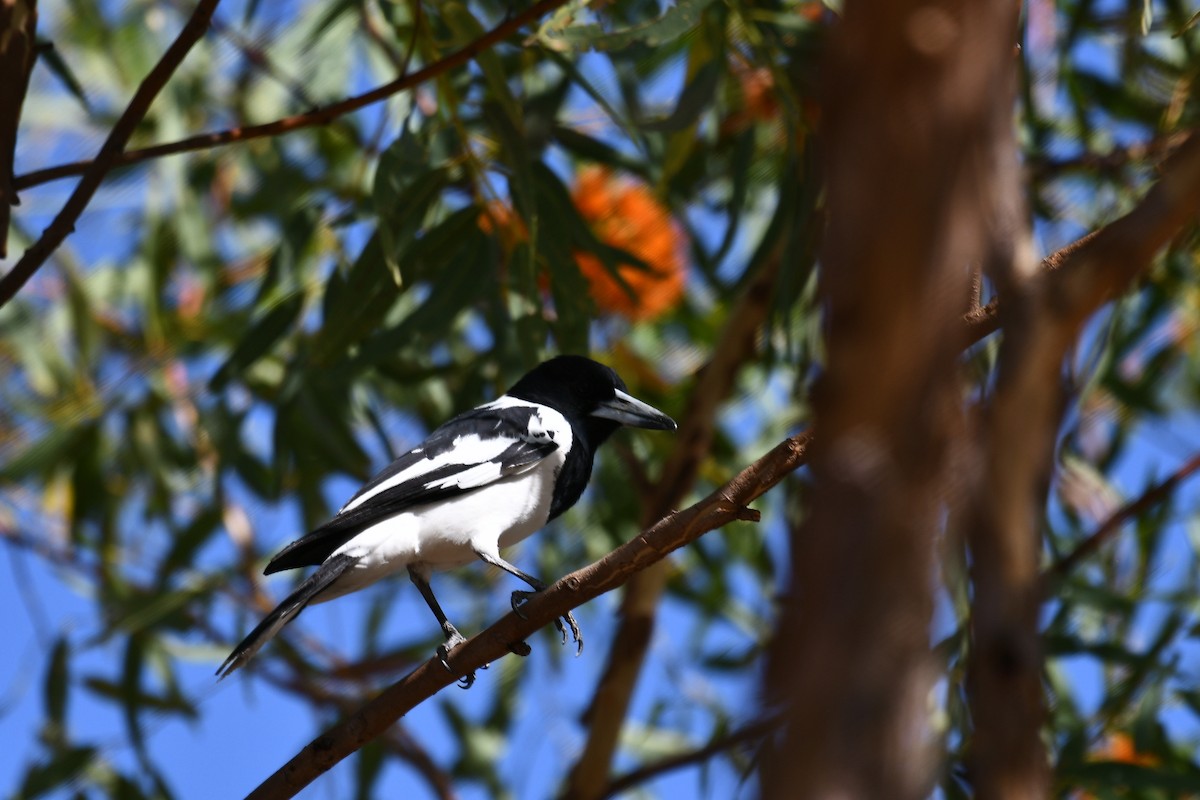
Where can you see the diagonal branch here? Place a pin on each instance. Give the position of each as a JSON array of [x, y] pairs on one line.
[[110, 151], [1104, 264], [631, 780], [610, 702], [672, 532], [396, 739], [309, 119], [1156, 494], [1115, 159]]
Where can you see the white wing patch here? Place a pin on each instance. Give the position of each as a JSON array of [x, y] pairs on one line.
[[468, 449], [475, 476], [545, 423]]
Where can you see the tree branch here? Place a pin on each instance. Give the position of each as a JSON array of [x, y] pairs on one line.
[[670, 533], [18, 41], [309, 119], [396, 739], [630, 780], [1045, 167], [110, 151], [610, 702], [1042, 316], [1110, 527], [1103, 265]]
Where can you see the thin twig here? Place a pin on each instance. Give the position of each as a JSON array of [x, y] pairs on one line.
[[257, 57], [94, 172], [309, 119], [637, 777], [669, 534], [1151, 497], [1155, 148]]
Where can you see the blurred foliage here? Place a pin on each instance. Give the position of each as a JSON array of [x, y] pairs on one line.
[[235, 336]]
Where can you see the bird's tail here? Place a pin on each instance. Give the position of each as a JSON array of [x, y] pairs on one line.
[[320, 580]]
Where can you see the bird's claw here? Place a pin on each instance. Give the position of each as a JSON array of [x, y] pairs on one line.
[[521, 649], [520, 598], [578, 637], [453, 640]]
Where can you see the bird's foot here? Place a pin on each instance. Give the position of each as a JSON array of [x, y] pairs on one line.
[[520, 598], [521, 649], [453, 640]]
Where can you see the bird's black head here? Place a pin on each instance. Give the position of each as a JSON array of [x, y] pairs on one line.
[[592, 396]]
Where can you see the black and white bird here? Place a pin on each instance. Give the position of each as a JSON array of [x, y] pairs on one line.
[[481, 482]]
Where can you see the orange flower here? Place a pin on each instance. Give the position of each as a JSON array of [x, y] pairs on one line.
[[625, 214], [499, 219], [1119, 747]]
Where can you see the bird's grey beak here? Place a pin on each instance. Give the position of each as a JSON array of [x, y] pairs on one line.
[[628, 410]]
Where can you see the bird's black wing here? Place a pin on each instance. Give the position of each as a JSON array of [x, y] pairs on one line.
[[468, 452]]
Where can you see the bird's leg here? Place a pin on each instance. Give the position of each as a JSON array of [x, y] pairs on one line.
[[519, 598], [453, 637]]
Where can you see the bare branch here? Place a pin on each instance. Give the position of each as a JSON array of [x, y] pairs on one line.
[[610, 702], [1158, 493], [1042, 317], [18, 37], [631, 780], [314, 118], [396, 739], [110, 151], [670, 533], [1103, 265], [1114, 159]]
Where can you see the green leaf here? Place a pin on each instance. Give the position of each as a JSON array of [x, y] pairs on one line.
[[57, 447], [579, 79], [53, 60], [296, 237], [693, 101], [463, 278], [63, 768], [515, 150], [355, 305], [558, 34], [186, 542], [119, 694], [1109, 775], [368, 768], [57, 686], [405, 187], [591, 149], [466, 30], [131, 693], [262, 337]]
